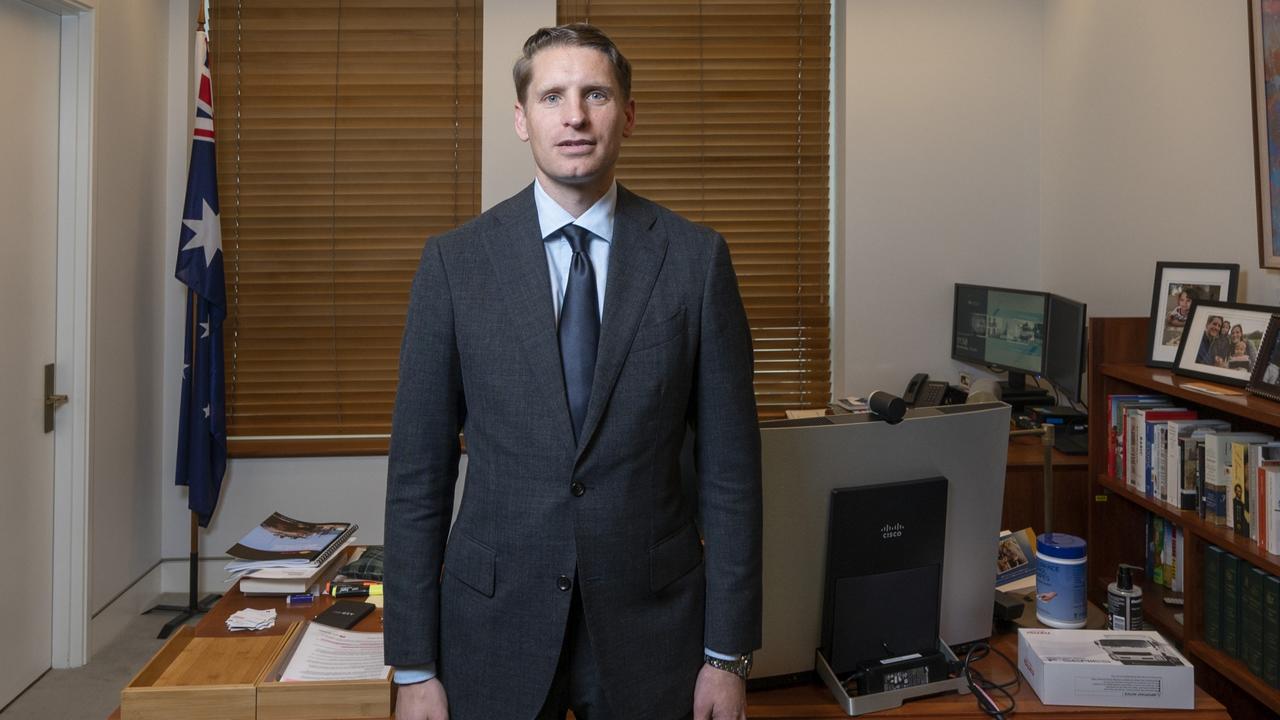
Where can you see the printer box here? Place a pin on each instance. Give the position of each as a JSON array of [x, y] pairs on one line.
[[1104, 668]]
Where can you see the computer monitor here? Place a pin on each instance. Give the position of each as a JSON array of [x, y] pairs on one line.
[[1001, 328], [1065, 348]]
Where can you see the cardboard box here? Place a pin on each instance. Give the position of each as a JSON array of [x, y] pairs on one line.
[[1105, 669]]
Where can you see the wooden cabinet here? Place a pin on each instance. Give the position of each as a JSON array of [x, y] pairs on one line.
[[1117, 515]]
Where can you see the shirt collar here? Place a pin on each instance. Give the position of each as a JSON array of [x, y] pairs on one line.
[[598, 218]]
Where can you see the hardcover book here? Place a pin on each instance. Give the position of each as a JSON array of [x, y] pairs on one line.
[[1271, 630], [1231, 605], [1211, 585], [1251, 601]]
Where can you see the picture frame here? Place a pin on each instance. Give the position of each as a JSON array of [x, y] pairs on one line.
[[1264, 48], [1211, 351], [1177, 286], [1265, 380]]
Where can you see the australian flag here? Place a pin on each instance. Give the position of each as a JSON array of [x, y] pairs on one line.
[[202, 425]]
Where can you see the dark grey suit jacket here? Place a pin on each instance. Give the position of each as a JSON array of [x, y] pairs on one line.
[[480, 353]]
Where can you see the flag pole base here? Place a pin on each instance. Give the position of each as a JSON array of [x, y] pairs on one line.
[[184, 613]]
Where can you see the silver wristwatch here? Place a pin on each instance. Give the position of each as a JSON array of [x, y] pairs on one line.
[[740, 665]]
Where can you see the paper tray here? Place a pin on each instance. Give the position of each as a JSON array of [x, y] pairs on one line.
[[202, 678], [318, 700]]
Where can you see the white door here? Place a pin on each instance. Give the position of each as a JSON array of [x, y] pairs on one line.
[[29, 49]]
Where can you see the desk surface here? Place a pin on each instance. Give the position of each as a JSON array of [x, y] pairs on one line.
[[1028, 451], [810, 701]]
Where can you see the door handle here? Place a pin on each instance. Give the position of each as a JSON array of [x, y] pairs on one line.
[[52, 400]]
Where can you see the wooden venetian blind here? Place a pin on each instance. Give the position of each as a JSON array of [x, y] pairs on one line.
[[732, 105], [347, 133]]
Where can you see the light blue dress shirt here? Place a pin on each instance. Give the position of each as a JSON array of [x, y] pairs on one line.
[[551, 217]]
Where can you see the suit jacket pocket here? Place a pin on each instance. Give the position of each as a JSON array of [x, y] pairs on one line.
[[673, 557], [658, 333], [471, 563]]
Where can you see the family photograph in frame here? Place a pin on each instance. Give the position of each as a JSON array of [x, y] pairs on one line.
[[1264, 43], [1222, 341], [1177, 287], [1265, 380]]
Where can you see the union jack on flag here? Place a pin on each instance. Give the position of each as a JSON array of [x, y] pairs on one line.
[[202, 424]]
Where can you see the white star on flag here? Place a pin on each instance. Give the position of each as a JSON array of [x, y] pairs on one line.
[[208, 233], [205, 326], [206, 411]]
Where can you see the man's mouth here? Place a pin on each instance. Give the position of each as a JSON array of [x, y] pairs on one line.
[[575, 143]]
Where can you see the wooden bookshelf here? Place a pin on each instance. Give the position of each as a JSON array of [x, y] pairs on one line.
[[1118, 514]]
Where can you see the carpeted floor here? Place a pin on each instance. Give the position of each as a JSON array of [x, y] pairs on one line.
[[92, 691]]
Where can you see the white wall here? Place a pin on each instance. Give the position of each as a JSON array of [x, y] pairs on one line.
[[126, 303], [942, 174], [1148, 148]]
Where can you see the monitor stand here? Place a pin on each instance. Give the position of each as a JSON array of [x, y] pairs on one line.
[[1019, 394]]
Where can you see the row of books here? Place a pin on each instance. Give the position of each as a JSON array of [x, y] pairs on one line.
[[1242, 612], [1168, 453], [283, 555], [1166, 548]]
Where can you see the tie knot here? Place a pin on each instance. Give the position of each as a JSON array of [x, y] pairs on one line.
[[578, 237]]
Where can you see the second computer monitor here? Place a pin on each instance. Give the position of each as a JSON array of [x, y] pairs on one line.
[[1001, 328], [1064, 352]]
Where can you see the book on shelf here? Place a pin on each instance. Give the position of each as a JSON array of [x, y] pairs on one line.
[[1117, 403], [1135, 444], [1218, 473], [1268, 497], [1230, 621], [1152, 423], [1271, 630], [281, 541], [1242, 493], [1211, 586], [1180, 461], [1251, 600]]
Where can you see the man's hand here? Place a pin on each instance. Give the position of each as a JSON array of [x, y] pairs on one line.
[[719, 695], [422, 701]]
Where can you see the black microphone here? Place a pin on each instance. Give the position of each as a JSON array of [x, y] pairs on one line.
[[888, 406]]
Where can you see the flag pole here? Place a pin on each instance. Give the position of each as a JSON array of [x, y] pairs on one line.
[[193, 607]]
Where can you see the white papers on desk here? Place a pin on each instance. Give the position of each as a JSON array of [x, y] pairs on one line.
[[250, 619], [327, 653]]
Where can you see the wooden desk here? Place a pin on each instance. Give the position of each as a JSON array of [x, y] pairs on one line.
[[1024, 489], [804, 702]]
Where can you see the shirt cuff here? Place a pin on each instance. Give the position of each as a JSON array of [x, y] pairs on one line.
[[707, 650], [414, 674]]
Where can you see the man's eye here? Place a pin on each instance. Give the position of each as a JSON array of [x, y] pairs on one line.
[[597, 96], [551, 99]]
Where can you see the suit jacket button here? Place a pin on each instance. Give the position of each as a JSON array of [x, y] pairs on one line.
[[577, 489], [564, 583]]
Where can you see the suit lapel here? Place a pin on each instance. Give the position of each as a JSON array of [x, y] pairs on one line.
[[635, 257], [516, 251]]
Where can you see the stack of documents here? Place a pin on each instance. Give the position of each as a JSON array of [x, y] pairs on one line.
[[250, 619], [327, 653]]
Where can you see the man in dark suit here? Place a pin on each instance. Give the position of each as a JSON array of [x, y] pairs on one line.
[[575, 332]]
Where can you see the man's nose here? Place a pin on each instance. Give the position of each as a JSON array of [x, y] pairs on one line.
[[574, 113]]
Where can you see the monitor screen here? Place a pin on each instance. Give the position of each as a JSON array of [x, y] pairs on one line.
[[999, 327], [1064, 351]]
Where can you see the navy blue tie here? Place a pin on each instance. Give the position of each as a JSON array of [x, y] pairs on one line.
[[579, 326]]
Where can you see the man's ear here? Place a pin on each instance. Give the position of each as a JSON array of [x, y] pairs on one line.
[[522, 129], [630, 112]]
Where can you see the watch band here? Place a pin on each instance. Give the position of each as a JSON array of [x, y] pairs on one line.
[[740, 665]]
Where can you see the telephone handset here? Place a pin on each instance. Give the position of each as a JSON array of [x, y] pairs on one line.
[[923, 392]]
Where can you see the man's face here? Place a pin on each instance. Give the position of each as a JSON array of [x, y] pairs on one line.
[[1213, 327], [574, 117]]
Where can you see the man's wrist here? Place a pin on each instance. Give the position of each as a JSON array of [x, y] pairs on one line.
[[739, 665], [414, 674]]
